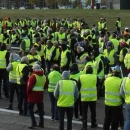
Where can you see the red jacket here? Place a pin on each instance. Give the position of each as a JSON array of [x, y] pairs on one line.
[[34, 96]]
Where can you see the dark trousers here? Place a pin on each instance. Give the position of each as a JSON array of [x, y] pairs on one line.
[[54, 109], [13, 87], [92, 105], [69, 113], [22, 104], [48, 66], [40, 110], [112, 117], [78, 108], [4, 77]]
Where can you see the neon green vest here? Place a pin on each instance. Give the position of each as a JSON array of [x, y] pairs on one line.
[[49, 53], [2, 59], [115, 43], [40, 81], [76, 76], [66, 93], [57, 54], [126, 89], [112, 96], [64, 59], [27, 44], [53, 78], [12, 73], [81, 62], [110, 56], [19, 71], [127, 60], [60, 37], [121, 54]]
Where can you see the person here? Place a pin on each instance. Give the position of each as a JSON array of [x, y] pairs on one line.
[[11, 68], [22, 73], [66, 93], [113, 102], [4, 61], [74, 75], [65, 58], [118, 25], [35, 87], [125, 94], [87, 85], [53, 77]]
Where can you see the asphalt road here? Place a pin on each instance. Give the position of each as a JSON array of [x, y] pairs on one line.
[[11, 120]]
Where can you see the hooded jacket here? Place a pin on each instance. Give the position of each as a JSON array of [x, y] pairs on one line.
[[34, 96]]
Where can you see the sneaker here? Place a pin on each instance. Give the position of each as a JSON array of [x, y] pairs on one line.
[[94, 125], [9, 107]]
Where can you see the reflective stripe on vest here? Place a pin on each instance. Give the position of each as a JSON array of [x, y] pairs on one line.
[[40, 81], [112, 96], [2, 59], [66, 93]]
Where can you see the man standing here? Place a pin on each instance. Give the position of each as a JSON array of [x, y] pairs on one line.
[[88, 88], [113, 100], [125, 93], [66, 93], [35, 88], [118, 25]]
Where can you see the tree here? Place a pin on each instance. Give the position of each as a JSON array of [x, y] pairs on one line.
[[50, 3], [32, 2]]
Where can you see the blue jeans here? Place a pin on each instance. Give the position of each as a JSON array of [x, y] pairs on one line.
[[127, 119], [54, 110]]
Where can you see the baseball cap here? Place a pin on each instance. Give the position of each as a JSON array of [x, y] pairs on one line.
[[116, 68]]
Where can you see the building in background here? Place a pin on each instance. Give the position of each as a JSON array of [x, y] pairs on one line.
[[118, 4]]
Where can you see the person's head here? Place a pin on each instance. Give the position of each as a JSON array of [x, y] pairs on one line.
[[94, 54], [61, 30], [118, 19], [116, 70], [89, 70], [36, 67], [64, 47], [80, 49], [14, 57], [24, 59], [3, 47], [49, 43], [56, 67], [55, 44], [74, 68], [109, 45], [33, 51], [65, 75]]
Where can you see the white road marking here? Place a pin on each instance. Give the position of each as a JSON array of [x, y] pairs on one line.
[[48, 117]]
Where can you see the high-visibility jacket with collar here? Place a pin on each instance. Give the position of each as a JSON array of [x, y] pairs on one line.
[[12, 73], [88, 88], [3, 59], [118, 23], [121, 54], [49, 53], [115, 44], [89, 64], [96, 66], [104, 25], [81, 61], [110, 56], [61, 36], [76, 76], [54, 77], [99, 25], [112, 96], [64, 59], [66, 93], [19, 71], [31, 57], [126, 89], [40, 81], [41, 52], [127, 60], [57, 54], [1, 37], [27, 44]]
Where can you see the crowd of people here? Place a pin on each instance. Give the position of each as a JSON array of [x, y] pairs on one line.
[[76, 63]]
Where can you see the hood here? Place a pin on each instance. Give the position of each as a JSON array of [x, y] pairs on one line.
[[14, 57], [39, 73]]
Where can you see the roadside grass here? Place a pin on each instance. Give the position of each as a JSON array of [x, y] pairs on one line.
[[90, 16]]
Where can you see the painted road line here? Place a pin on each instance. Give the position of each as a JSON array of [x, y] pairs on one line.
[[48, 117]]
